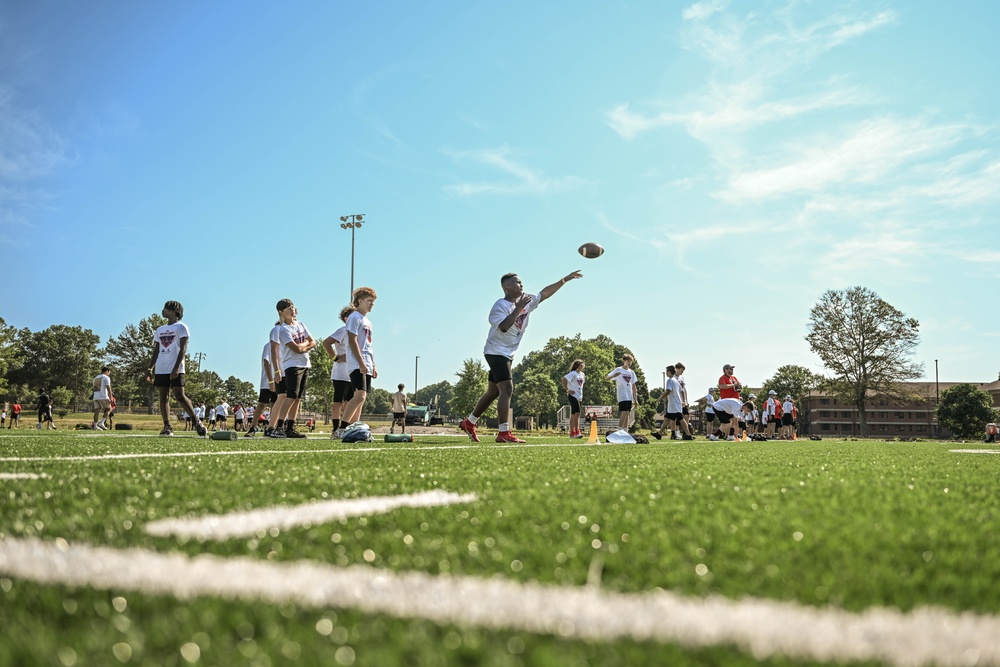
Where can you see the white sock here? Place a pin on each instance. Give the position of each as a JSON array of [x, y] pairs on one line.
[[474, 419], [505, 426], [677, 434]]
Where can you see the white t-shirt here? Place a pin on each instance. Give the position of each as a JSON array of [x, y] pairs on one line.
[[222, 410], [769, 407], [298, 333], [399, 402], [709, 401], [101, 393], [168, 337], [265, 355], [684, 389], [240, 414], [360, 326], [199, 412], [674, 402], [339, 369], [730, 405], [574, 380], [624, 381], [211, 414], [504, 343], [786, 407]]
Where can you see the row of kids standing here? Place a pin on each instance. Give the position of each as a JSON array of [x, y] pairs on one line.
[[285, 366]]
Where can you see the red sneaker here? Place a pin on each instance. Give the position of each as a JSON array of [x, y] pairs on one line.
[[507, 436], [469, 428]]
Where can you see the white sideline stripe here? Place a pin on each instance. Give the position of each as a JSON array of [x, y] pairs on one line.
[[22, 475], [975, 451], [763, 628], [244, 524], [252, 452]]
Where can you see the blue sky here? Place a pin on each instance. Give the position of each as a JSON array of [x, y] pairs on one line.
[[735, 159]]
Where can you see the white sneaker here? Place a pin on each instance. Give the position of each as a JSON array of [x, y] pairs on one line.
[[100, 428], [731, 438], [713, 437]]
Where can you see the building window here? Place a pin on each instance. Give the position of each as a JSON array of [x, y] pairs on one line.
[[824, 401], [921, 428], [824, 413], [845, 414], [824, 427], [899, 415], [899, 427]]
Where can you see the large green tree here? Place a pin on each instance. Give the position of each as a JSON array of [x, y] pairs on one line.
[[319, 393], [58, 356], [792, 380], [538, 397], [866, 344], [204, 386], [379, 402], [239, 392], [470, 386], [128, 354], [965, 410], [10, 354]]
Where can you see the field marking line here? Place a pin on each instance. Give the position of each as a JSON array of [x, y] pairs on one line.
[[248, 523], [251, 452], [763, 628], [974, 451], [22, 475]]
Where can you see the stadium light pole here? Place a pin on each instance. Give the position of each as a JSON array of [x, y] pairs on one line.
[[416, 367], [352, 222]]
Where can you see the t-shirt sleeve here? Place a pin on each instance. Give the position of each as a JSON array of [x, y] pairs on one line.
[[284, 336], [305, 330], [354, 324], [498, 313], [183, 331]]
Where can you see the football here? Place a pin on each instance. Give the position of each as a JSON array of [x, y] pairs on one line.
[[591, 250]]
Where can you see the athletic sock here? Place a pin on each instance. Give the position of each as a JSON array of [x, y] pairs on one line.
[[505, 426], [474, 419]]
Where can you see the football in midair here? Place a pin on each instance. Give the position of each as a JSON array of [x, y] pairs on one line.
[[591, 250]]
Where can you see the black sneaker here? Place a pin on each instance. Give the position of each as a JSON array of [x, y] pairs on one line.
[[201, 430], [292, 433], [656, 434], [167, 431], [687, 437]]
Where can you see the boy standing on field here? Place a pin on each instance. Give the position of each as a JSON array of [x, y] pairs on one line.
[[398, 411], [508, 320], [166, 369], [102, 398], [572, 383], [624, 378], [267, 393], [360, 356], [295, 341], [343, 391]]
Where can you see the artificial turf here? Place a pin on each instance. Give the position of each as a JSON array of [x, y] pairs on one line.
[[852, 524]]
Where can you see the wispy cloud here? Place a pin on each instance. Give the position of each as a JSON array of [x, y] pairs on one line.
[[522, 179], [702, 10]]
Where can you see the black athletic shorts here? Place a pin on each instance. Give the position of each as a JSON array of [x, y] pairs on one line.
[[295, 381], [343, 391], [279, 388], [361, 382], [267, 396], [685, 411], [163, 380], [398, 415], [499, 368], [724, 417], [625, 406], [786, 420], [574, 405], [709, 417], [675, 416]]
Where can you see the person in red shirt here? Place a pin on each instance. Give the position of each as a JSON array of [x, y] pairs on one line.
[[729, 386], [15, 416]]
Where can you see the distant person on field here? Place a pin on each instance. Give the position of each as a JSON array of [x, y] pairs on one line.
[[360, 354], [398, 410], [111, 412], [222, 416], [674, 415], [508, 320], [295, 341], [3, 417], [991, 432], [709, 411], [625, 382], [102, 398], [572, 384], [45, 411], [729, 388], [343, 391], [267, 394], [166, 369], [239, 416], [685, 423], [15, 416]]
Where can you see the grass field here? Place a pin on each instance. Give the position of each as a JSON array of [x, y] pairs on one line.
[[548, 553]]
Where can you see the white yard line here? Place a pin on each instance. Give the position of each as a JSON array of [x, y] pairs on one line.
[[22, 475], [975, 451], [250, 452], [244, 524], [763, 628]]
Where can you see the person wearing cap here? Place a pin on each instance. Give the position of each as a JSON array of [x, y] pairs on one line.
[[685, 422], [787, 418], [769, 412]]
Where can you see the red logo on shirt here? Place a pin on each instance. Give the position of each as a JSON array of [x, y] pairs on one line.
[[167, 338]]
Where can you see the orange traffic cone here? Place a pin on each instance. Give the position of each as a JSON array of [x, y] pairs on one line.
[[592, 440]]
